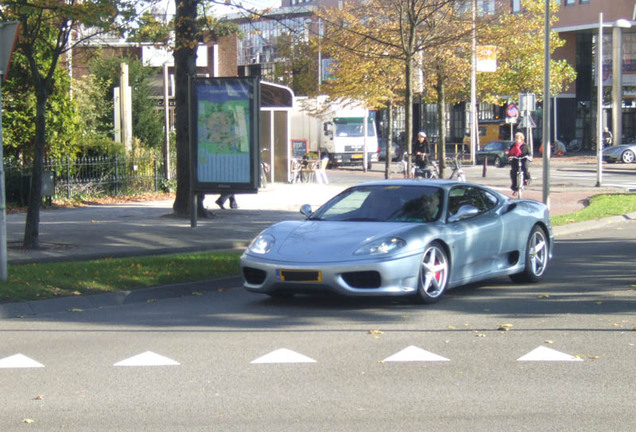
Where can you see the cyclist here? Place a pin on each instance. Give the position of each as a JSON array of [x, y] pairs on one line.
[[519, 155], [421, 150]]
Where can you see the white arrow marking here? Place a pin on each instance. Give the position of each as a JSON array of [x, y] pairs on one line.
[[284, 355], [147, 359], [413, 353], [547, 354], [19, 361]]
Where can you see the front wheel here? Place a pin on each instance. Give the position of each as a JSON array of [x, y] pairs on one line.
[[537, 256], [434, 270], [498, 162], [628, 156]]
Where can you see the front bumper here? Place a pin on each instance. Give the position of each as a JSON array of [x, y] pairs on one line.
[[365, 277]]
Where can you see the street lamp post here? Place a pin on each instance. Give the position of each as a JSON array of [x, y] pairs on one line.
[[546, 106], [599, 102]]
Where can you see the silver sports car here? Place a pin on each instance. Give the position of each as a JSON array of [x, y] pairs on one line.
[[402, 237], [625, 153]]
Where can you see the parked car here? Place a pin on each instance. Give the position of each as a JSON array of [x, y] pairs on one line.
[[402, 238], [397, 150], [496, 152], [625, 153]]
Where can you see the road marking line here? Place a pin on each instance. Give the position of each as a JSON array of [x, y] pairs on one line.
[[412, 354], [147, 358], [283, 355], [19, 361], [547, 354]]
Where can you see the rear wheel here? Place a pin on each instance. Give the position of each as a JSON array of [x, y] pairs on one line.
[[537, 256], [434, 270], [628, 156]]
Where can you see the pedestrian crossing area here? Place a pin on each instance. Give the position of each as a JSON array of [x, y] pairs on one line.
[[288, 356]]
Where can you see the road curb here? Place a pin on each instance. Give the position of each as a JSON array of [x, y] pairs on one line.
[[73, 304], [577, 227]]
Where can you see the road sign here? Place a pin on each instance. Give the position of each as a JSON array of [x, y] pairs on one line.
[[8, 39], [527, 122], [512, 111]]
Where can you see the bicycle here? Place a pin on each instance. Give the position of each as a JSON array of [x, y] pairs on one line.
[[521, 180], [264, 173], [456, 165], [574, 146], [430, 171]]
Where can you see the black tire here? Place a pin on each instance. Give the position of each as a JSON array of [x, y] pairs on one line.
[[498, 163], [434, 272], [536, 257]]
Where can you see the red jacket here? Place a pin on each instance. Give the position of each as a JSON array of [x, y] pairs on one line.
[[518, 150]]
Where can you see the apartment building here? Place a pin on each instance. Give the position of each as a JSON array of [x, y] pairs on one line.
[[576, 108]]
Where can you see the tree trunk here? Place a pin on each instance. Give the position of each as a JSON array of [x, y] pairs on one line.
[[408, 126], [389, 143], [32, 226], [441, 123], [185, 66]]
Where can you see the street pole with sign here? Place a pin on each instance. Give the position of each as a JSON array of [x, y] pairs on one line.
[[599, 103]]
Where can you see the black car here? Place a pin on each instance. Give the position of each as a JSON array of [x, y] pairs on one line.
[[496, 152], [397, 150]]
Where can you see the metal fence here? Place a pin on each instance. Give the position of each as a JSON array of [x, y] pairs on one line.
[[86, 176]]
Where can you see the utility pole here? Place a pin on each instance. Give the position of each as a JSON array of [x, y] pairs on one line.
[[546, 107]]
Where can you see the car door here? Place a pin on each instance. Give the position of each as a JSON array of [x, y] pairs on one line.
[[475, 241]]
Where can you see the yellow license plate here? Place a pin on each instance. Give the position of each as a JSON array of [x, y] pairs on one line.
[[299, 275], [357, 156]]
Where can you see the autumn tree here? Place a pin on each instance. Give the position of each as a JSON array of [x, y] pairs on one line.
[[364, 74], [399, 30], [298, 66], [45, 35], [520, 55]]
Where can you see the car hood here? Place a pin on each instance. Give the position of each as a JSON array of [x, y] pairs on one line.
[[329, 241], [615, 149]]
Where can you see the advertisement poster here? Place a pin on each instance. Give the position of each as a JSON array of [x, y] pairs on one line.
[[226, 134]]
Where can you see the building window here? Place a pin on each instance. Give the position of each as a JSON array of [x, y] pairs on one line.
[[570, 2], [486, 7], [584, 1], [516, 6]]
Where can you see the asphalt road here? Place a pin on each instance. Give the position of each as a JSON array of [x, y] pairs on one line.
[[556, 356]]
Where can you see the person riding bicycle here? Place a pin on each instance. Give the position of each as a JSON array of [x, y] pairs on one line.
[[421, 150], [519, 154]]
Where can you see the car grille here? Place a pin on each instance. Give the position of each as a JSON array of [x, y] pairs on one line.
[[253, 276], [363, 279]]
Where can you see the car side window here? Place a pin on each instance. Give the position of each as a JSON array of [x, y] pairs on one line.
[[468, 195]]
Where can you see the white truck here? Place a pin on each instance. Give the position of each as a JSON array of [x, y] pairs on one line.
[[336, 129]]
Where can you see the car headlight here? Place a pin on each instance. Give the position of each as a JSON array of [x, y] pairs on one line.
[[381, 247], [262, 244]]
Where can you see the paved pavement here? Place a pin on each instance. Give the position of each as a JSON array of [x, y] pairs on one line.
[[146, 228]]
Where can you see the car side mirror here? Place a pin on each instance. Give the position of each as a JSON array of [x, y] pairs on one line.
[[464, 212], [306, 211]]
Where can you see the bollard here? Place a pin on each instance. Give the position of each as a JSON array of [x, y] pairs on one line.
[[483, 173]]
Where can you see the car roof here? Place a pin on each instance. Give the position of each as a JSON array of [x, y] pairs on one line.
[[443, 184]]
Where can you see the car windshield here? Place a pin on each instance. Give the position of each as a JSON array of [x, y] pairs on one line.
[[383, 203]]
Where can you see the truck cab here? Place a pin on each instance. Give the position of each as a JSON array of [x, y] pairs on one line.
[[344, 141]]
